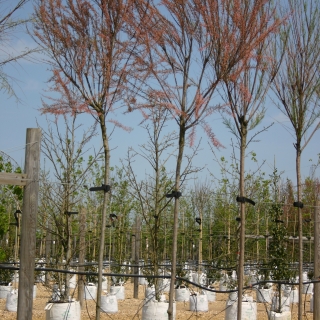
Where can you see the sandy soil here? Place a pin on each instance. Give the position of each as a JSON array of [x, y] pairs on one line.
[[130, 308]]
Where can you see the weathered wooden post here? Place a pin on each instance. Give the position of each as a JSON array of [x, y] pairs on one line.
[[28, 224]]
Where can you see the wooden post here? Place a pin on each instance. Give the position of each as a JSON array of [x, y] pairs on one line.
[[28, 224], [316, 296]]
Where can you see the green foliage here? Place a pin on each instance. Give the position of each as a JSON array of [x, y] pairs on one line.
[[118, 271], [182, 274], [6, 275], [278, 246], [91, 277]]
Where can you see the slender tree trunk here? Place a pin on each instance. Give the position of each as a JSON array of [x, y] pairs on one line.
[[48, 248], [104, 211], [82, 252], [200, 246], [298, 159], [243, 143], [68, 258], [176, 217], [316, 275], [137, 256], [258, 219]]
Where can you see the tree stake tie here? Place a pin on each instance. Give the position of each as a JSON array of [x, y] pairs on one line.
[[174, 194], [104, 187], [244, 199], [298, 204]]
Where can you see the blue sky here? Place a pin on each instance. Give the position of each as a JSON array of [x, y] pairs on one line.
[[30, 82]]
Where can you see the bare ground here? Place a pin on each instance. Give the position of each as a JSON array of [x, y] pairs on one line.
[[130, 308]]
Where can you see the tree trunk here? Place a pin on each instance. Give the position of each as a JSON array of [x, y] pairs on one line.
[[48, 249], [298, 159], [316, 275], [82, 253], [137, 256], [243, 143], [104, 211], [176, 216]]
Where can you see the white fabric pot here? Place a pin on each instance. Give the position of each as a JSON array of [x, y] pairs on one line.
[[66, 310], [34, 291], [308, 287], [4, 290], [109, 304], [90, 292], [248, 312], [104, 283], [223, 286], [165, 285], [73, 282], [292, 293], [211, 295], [286, 315], [156, 310], [285, 303], [142, 280], [150, 293], [118, 291], [198, 302], [12, 301], [264, 295], [253, 278], [182, 294], [233, 296], [199, 278]]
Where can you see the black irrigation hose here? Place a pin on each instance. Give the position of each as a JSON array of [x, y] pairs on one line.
[[11, 267]]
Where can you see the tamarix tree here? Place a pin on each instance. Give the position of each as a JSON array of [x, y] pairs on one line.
[[244, 95], [191, 47], [296, 84], [91, 58]]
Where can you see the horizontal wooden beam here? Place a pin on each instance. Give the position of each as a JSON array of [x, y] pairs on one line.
[[15, 179]]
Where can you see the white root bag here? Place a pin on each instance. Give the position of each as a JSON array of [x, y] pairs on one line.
[[182, 294], [34, 291], [156, 310], [285, 315], [199, 278], [199, 302], [66, 311], [293, 294], [307, 287], [210, 294], [264, 295], [249, 309], [12, 301], [142, 280], [90, 292], [150, 292], [73, 282], [109, 304], [104, 283], [165, 286], [4, 290], [118, 291], [285, 303]]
